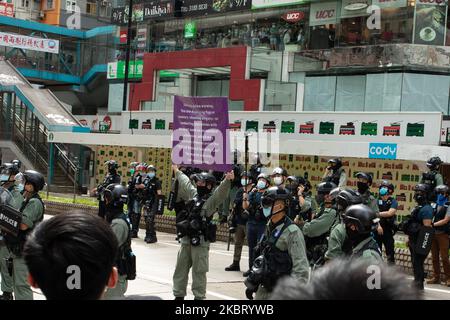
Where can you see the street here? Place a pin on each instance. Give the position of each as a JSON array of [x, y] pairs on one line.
[[156, 263]]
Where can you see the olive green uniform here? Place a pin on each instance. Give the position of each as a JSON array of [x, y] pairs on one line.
[[321, 224], [7, 280], [292, 241], [121, 230], [438, 180], [368, 255], [31, 215], [196, 257], [370, 201], [336, 241]]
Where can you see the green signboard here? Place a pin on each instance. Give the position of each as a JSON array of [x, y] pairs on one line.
[[190, 30], [116, 70], [168, 74], [415, 130]]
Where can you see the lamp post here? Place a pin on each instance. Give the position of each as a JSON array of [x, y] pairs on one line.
[[127, 56]]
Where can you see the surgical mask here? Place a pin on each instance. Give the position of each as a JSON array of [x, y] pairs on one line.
[[441, 199], [267, 211], [261, 185], [4, 177], [278, 180], [151, 175], [244, 182], [362, 187], [132, 171], [20, 187], [383, 191]]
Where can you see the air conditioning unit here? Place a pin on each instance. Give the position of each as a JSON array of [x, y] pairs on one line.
[[41, 14]]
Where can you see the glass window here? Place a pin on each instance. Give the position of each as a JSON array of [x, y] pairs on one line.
[[383, 92], [319, 93], [350, 93]]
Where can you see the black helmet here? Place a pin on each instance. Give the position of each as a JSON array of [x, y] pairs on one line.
[[112, 165], [279, 170], [363, 217], [272, 194], [334, 193], [441, 189], [434, 162], [347, 197], [291, 183], [421, 187], [9, 169], [151, 168], [17, 163], [336, 163], [325, 187], [207, 177], [365, 175], [116, 193], [35, 178], [387, 184], [304, 182]]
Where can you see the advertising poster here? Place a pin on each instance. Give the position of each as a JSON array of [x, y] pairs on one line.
[[429, 22]]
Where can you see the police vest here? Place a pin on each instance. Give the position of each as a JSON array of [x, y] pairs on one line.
[[385, 206], [322, 239], [16, 244], [439, 214], [428, 178], [335, 176], [371, 245], [109, 179], [150, 189], [278, 263]]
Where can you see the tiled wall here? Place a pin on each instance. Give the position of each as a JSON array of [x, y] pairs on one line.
[[404, 174]]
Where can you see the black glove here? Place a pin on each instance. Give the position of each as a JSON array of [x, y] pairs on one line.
[[249, 294]]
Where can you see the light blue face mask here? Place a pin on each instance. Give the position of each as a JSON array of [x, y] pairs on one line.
[[383, 191], [20, 187], [244, 182], [267, 211], [261, 184], [151, 175], [4, 177]]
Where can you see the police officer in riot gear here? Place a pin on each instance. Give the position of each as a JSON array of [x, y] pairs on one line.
[[363, 187], [138, 198], [432, 178], [317, 230], [388, 209], [32, 210], [115, 198], [8, 174], [195, 230], [239, 218], [279, 176], [238, 168], [338, 243], [307, 203], [256, 223], [421, 215], [17, 163], [360, 222], [440, 244], [335, 173], [281, 251], [111, 177], [151, 192], [131, 192], [294, 203], [256, 167]]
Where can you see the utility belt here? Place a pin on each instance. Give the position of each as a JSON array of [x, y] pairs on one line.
[[194, 227]]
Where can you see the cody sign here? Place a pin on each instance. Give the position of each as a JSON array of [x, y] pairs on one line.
[[382, 151]]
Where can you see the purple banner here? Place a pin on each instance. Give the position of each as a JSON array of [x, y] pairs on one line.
[[200, 133]]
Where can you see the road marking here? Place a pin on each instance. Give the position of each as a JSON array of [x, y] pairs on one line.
[[213, 251]]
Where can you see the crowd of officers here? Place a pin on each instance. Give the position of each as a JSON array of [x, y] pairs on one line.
[[289, 231]]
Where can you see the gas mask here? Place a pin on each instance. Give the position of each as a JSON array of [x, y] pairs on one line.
[[362, 187]]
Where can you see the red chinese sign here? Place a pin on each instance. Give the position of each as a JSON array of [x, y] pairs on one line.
[[29, 43], [6, 9]]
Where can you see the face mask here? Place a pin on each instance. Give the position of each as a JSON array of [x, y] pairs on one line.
[[362, 187], [151, 175], [243, 182], [278, 180], [383, 191], [441, 199], [420, 198], [267, 211], [261, 185], [4, 177], [20, 187], [132, 171], [202, 190]]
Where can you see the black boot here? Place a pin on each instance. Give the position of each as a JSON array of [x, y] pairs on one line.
[[134, 234], [7, 296], [179, 298], [246, 273], [233, 267]]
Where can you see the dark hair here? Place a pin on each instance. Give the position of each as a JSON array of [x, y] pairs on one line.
[[346, 279], [68, 239]]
